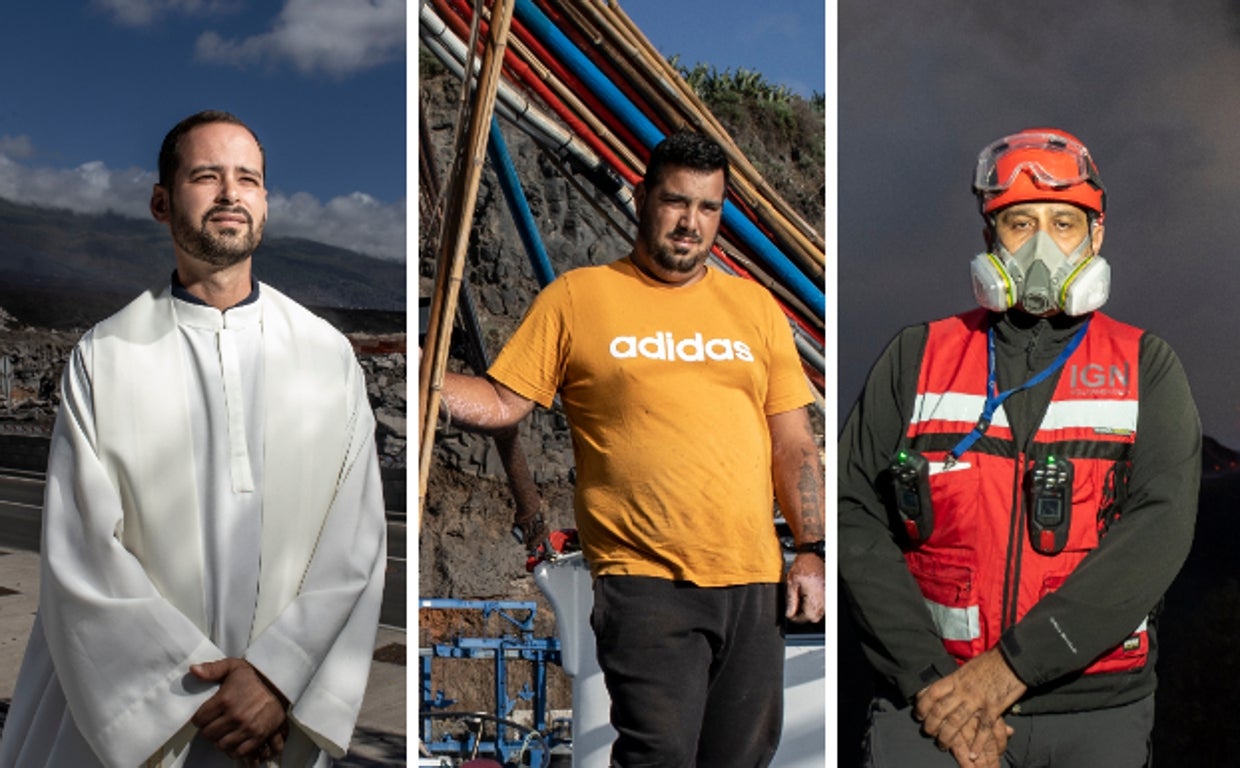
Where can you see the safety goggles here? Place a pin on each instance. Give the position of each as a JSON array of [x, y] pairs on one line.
[[1054, 162]]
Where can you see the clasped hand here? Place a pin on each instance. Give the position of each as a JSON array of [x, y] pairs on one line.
[[806, 585], [963, 712], [245, 718]]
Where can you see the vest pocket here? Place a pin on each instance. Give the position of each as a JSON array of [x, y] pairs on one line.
[[955, 493], [948, 590], [1083, 528]]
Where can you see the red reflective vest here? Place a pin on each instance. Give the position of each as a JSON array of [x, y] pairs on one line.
[[977, 570]]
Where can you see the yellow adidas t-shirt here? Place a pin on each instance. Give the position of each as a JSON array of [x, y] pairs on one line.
[[667, 391]]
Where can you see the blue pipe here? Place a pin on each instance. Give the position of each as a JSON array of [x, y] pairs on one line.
[[501, 161], [779, 264], [640, 126]]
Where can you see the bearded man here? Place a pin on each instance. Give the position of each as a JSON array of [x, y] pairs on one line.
[[213, 528], [687, 406]]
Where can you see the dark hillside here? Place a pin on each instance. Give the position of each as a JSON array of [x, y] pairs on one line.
[[63, 270], [1198, 664]]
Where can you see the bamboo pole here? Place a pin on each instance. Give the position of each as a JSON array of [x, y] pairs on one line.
[[809, 263], [667, 112], [532, 56], [470, 157], [586, 42], [579, 119], [527, 517]]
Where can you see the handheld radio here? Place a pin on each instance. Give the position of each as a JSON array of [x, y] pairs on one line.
[[1050, 504], [910, 479]]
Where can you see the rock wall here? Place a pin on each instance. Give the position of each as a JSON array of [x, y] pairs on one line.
[[466, 550], [30, 395]]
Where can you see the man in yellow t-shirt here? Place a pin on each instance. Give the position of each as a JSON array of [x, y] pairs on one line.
[[686, 402]]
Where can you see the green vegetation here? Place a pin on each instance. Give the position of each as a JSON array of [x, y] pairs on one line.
[[782, 133], [745, 85]]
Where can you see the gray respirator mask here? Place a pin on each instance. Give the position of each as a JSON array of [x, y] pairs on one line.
[[1040, 279]]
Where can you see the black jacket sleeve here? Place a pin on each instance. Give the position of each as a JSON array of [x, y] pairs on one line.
[[897, 632], [1118, 584]]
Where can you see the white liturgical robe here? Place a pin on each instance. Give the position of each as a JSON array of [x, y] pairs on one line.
[[212, 491]]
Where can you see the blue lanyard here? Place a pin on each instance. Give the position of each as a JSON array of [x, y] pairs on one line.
[[995, 398]]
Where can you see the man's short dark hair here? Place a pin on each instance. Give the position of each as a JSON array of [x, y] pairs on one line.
[[686, 149], [169, 156]]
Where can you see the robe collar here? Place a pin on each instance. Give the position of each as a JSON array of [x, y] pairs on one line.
[[179, 291]]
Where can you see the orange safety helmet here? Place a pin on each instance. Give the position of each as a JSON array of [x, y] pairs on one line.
[[1038, 164]]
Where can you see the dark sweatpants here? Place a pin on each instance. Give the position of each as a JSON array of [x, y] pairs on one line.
[[695, 674], [1117, 737]]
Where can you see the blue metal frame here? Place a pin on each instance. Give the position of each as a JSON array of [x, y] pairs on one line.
[[519, 615]]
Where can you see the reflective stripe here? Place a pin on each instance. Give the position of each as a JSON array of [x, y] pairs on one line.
[[1111, 415], [963, 624], [1095, 414], [952, 406]]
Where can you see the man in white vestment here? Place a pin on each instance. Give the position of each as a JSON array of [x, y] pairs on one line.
[[213, 528]]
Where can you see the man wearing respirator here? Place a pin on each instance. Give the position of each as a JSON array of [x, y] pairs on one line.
[[1018, 487]]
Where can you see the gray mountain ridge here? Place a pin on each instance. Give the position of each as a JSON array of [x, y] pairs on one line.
[[60, 269]]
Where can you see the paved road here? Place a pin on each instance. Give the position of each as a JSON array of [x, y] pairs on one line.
[[21, 498]]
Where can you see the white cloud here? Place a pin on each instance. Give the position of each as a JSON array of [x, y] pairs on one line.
[[88, 188], [16, 146], [139, 13], [356, 221], [333, 37]]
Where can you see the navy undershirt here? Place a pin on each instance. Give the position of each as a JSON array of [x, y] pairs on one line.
[[179, 291]]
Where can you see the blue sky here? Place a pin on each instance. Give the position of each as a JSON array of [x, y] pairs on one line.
[[90, 87], [784, 40]]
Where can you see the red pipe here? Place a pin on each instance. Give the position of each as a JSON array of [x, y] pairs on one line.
[[590, 50], [524, 73], [574, 83]]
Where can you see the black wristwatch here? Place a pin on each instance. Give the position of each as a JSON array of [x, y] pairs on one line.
[[813, 548]]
